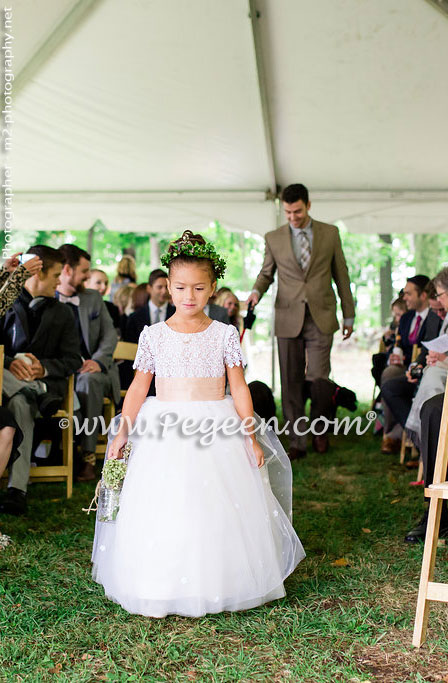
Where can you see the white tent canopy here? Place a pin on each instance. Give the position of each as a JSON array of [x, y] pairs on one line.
[[153, 115]]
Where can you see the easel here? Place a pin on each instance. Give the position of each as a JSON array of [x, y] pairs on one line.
[[437, 492]]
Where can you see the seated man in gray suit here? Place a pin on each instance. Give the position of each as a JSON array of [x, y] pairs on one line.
[[98, 377]]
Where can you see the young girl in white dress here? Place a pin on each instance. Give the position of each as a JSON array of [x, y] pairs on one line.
[[199, 528]]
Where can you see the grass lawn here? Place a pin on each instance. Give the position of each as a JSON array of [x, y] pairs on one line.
[[337, 623]]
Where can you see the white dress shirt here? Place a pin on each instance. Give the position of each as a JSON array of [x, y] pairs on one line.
[[153, 311], [423, 314]]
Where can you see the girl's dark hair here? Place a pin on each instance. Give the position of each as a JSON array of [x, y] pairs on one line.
[[187, 258]]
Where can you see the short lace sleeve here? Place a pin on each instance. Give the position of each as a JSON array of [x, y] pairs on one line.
[[144, 359], [233, 354]]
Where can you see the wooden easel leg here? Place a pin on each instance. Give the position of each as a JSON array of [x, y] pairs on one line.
[[428, 564]]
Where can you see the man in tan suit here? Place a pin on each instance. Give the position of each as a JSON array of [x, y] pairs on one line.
[[307, 255]]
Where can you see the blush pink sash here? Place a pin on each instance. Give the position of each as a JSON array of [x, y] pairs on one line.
[[190, 388]]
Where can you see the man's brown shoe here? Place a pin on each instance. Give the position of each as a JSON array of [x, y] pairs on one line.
[[390, 446], [320, 443], [296, 454], [87, 473]]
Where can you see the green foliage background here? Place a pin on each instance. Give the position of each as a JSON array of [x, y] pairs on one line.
[[244, 253]]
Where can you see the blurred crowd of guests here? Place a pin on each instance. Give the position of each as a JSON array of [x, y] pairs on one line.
[[412, 377]]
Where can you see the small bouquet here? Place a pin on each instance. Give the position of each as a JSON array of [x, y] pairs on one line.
[[108, 490]]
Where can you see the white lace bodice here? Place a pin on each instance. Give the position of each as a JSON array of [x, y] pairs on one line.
[[167, 353]]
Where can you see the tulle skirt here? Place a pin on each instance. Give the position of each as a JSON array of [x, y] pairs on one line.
[[199, 528]]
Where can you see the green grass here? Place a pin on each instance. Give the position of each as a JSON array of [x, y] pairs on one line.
[[337, 623]]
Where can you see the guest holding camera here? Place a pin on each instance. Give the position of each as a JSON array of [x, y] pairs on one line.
[[399, 393], [411, 330]]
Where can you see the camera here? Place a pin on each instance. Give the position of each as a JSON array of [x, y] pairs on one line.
[[415, 370], [23, 258]]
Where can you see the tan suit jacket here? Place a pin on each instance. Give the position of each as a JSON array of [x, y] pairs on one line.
[[313, 286]]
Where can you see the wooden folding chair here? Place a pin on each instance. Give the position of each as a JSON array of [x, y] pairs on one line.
[[437, 492], [123, 351], [62, 472]]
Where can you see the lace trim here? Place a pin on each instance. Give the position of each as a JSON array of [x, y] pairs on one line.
[[167, 353]]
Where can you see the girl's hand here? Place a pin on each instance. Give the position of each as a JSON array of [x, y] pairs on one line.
[[259, 455], [33, 266], [115, 450]]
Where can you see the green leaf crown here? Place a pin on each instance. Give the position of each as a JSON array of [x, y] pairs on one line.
[[186, 246]]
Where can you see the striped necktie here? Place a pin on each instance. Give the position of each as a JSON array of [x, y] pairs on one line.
[[305, 250]]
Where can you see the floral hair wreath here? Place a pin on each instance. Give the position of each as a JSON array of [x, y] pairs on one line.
[[188, 248]]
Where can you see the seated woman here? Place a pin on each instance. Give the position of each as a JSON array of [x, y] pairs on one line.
[[126, 275], [227, 299], [98, 280], [123, 301]]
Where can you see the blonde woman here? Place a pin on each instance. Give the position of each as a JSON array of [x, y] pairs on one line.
[[227, 299], [126, 274], [123, 300]]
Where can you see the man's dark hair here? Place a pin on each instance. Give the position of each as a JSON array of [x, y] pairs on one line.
[[155, 275], [47, 255], [293, 193], [420, 281], [73, 254]]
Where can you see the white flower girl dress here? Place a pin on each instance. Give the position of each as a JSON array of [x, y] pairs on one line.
[[199, 528]]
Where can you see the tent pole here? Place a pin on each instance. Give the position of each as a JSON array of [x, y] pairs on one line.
[[49, 45], [254, 16], [90, 237], [278, 220], [441, 5], [274, 188]]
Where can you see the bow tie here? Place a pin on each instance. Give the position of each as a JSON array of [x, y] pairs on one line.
[[74, 300]]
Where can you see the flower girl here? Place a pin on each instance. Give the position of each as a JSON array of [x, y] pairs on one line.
[[199, 528]]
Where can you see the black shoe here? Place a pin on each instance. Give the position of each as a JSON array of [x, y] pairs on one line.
[[13, 502], [417, 535], [48, 404]]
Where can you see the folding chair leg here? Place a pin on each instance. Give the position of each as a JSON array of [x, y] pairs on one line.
[[420, 471], [428, 564], [67, 458]]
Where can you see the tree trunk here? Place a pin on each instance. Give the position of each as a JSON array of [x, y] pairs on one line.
[[427, 255], [155, 252], [386, 283]]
